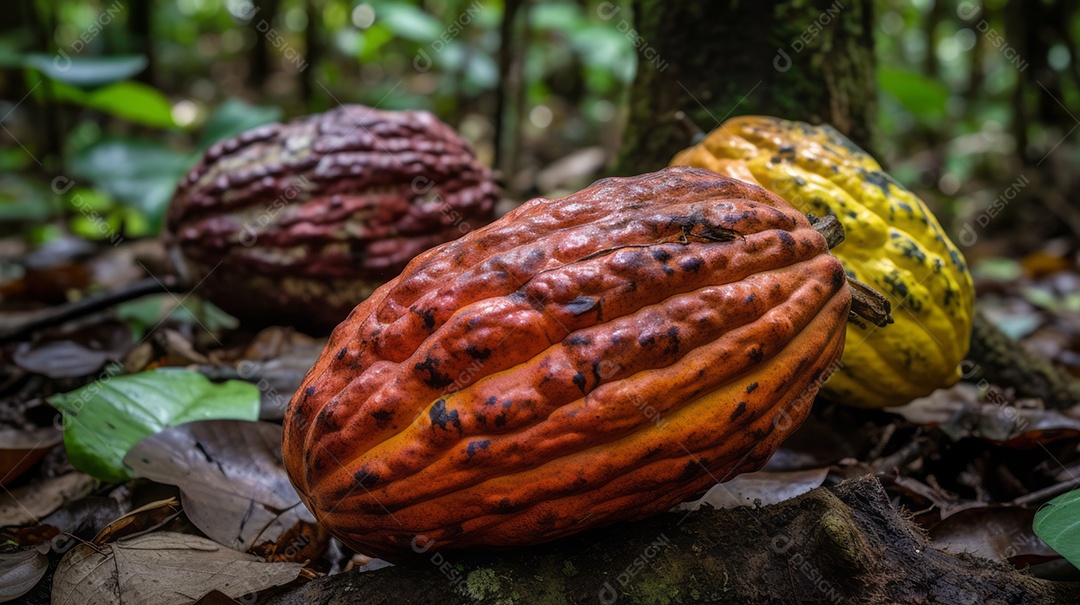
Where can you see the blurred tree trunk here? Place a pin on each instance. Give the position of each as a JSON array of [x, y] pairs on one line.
[[139, 29], [313, 52], [810, 61], [266, 12], [805, 61]]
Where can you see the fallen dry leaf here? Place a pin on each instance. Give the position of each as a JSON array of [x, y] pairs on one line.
[[161, 568], [20, 571], [760, 489], [1002, 532], [140, 520], [27, 504], [232, 482]]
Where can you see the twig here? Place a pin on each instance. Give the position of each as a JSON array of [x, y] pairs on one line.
[[1046, 493], [53, 316]]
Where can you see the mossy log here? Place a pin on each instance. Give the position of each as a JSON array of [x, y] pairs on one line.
[[840, 544], [1000, 360]]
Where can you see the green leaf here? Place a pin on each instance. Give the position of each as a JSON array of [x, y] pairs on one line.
[[923, 97], [86, 72], [1058, 524], [409, 22], [233, 117], [132, 101], [135, 102], [106, 418], [138, 173]]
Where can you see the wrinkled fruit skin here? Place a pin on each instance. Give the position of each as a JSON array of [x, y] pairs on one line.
[[581, 361], [892, 242], [296, 223]]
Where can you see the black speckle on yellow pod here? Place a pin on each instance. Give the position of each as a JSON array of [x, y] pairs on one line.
[[893, 243]]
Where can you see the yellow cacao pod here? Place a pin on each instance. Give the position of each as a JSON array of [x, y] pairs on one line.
[[892, 242]]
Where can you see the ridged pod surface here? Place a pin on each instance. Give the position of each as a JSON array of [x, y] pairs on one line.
[[296, 223], [892, 242], [580, 361]]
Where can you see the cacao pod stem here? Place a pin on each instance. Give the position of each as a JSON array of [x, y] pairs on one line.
[[866, 302]]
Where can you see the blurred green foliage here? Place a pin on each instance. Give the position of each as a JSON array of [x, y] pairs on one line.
[[120, 98]]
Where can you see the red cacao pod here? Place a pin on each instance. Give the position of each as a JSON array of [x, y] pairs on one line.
[[591, 359], [295, 223]]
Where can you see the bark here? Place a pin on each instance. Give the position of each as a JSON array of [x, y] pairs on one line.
[[831, 545], [262, 11], [809, 60], [1002, 361]]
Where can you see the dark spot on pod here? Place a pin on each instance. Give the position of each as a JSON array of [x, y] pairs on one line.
[[787, 148], [852, 214], [492, 400], [739, 409], [382, 417], [309, 391], [750, 388], [839, 277], [341, 354], [326, 419], [673, 337], [881, 180], [955, 257], [428, 315], [787, 241], [475, 353], [645, 340], [434, 380], [692, 264], [366, 479], [691, 470], [506, 404], [895, 284], [756, 355], [520, 297], [579, 380], [480, 419], [500, 420], [596, 372], [440, 417], [579, 341], [504, 506], [580, 305], [475, 446], [801, 182], [947, 298], [533, 260], [661, 255], [750, 299]]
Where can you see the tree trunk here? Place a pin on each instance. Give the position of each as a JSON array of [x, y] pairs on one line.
[[838, 545], [811, 61]]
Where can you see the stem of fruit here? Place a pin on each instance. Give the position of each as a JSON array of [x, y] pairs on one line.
[[866, 302]]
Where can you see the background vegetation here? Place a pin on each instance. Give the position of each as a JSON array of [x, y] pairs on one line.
[[118, 98]]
